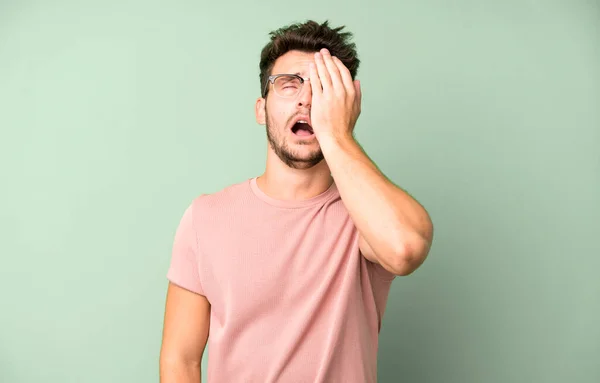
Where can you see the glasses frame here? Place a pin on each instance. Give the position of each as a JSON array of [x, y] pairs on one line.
[[271, 80]]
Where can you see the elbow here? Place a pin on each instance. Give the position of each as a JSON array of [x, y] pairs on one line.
[[408, 256], [404, 266]]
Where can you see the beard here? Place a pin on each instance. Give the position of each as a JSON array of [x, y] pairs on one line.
[[292, 158]]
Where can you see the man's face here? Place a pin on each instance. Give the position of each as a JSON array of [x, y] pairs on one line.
[[294, 148]]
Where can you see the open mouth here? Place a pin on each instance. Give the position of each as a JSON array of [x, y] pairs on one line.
[[302, 129]]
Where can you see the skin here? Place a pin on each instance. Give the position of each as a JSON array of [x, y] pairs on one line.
[[185, 334]]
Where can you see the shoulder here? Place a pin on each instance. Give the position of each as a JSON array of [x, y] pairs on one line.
[[227, 197]]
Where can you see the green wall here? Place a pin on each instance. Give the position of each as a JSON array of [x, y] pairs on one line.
[[114, 115]]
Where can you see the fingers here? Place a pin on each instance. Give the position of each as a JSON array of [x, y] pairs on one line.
[[315, 80], [345, 76], [358, 93], [333, 72], [323, 72], [328, 74]]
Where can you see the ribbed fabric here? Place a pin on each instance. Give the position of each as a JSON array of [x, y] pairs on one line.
[[292, 299]]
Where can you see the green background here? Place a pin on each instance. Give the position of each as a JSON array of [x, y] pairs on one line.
[[114, 115]]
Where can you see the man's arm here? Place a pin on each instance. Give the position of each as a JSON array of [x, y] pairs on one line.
[[395, 229], [185, 333]]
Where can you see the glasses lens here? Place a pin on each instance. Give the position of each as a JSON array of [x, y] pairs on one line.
[[287, 86]]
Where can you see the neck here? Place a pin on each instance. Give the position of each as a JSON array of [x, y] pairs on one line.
[[282, 182]]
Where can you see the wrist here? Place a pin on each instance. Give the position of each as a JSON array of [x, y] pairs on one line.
[[330, 139]]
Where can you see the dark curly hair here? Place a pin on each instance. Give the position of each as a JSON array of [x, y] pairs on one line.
[[309, 37]]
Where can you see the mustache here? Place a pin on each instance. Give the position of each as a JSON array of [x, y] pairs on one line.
[[301, 113]]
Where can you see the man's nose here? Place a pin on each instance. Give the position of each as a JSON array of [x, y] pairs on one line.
[[305, 96]]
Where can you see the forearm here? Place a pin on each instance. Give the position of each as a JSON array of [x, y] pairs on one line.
[[392, 222], [179, 371]]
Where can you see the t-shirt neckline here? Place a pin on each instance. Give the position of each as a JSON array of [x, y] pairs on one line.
[[292, 203]]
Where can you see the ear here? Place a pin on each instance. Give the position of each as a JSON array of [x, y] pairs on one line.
[[259, 110]]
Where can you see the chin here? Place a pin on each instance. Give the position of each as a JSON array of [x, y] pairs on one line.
[[310, 158]]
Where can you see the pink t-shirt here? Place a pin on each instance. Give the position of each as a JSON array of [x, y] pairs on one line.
[[292, 298]]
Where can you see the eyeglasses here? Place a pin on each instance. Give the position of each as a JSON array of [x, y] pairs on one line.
[[285, 85]]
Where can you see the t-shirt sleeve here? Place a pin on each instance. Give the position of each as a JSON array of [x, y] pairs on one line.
[[183, 269]]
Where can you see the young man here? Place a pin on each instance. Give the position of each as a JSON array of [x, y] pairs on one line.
[[287, 274]]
